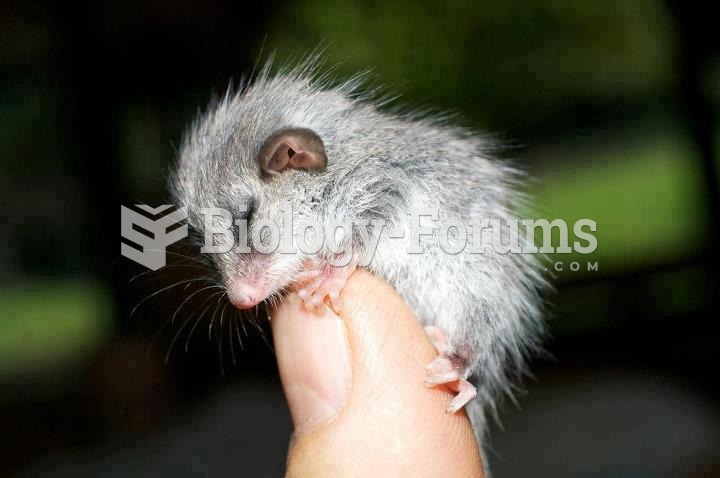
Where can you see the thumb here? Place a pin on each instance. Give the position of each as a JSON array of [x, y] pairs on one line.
[[354, 385]]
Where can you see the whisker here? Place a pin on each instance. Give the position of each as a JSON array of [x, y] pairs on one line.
[[177, 335], [231, 339], [237, 318], [212, 321], [242, 323], [141, 274], [186, 281], [212, 286], [154, 339], [220, 341], [185, 256], [202, 314]]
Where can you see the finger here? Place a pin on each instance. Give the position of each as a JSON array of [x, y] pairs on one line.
[[314, 362], [387, 419]]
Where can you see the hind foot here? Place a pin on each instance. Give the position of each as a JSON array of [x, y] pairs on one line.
[[320, 281], [447, 370]]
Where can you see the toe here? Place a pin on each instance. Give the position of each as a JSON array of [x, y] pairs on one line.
[[439, 378], [437, 337], [335, 300], [466, 392], [440, 365]]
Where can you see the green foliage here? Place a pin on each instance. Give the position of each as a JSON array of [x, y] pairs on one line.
[[644, 197], [494, 61], [44, 324]]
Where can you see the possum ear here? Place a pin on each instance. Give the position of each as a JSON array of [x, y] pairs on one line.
[[292, 148]]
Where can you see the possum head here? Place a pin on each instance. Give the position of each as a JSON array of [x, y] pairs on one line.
[[273, 145]]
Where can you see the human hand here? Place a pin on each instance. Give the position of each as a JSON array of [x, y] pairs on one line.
[[354, 384]]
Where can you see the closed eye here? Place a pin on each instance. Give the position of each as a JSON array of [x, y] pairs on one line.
[[247, 209]]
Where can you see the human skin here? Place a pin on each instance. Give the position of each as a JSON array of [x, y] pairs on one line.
[[354, 385]]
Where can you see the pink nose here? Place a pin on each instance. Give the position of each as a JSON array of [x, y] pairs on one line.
[[245, 296]]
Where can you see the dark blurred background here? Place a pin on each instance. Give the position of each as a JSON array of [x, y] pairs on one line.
[[609, 105]]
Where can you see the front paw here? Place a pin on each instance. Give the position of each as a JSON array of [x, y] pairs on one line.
[[321, 282]]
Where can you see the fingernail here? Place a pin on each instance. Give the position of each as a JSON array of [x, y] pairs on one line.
[[314, 361]]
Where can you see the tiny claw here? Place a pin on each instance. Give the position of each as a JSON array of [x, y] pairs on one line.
[[437, 337], [438, 378], [303, 293], [447, 369], [306, 276], [466, 392], [335, 300], [323, 282], [439, 365], [312, 304]]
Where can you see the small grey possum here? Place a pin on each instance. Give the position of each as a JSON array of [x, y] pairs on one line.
[[330, 151]]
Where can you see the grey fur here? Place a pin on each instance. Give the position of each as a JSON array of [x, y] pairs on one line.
[[380, 165]]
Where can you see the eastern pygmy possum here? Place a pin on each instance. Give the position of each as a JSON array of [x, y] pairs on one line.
[[333, 153]]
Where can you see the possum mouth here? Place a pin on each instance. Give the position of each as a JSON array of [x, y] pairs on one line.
[[246, 296], [248, 285], [257, 281]]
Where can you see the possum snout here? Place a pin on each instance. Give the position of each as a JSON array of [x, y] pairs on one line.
[[248, 285], [245, 296]]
